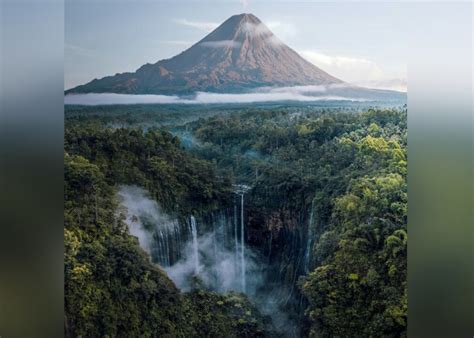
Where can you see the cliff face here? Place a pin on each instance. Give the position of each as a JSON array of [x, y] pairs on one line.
[[242, 53]]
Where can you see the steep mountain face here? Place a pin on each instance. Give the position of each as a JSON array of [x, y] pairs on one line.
[[242, 53]]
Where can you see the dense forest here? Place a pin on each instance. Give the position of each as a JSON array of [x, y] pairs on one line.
[[111, 287], [325, 219]]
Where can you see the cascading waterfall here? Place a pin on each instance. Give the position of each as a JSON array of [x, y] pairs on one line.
[[218, 254], [165, 242], [195, 245], [242, 242], [235, 233], [309, 241], [241, 189]]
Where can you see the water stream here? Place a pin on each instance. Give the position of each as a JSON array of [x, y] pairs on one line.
[[195, 245], [309, 240], [242, 243]]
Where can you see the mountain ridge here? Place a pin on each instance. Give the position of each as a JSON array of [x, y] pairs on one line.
[[239, 55]]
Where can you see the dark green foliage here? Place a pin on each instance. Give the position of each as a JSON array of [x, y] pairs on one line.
[[153, 160], [225, 316], [111, 288], [354, 168], [359, 287], [361, 291], [348, 168]]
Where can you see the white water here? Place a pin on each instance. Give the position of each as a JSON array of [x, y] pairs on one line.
[[241, 189], [195, 245], [309, 241], [159, 234], [242, 243], [235, 233], [218, 255], [220, 261]]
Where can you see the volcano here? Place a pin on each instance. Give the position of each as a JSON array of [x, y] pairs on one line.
[[240, 54]]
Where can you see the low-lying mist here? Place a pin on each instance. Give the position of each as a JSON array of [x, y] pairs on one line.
[[263, 94], [219, 260], [143, 215], [219, 267], [218, 263]]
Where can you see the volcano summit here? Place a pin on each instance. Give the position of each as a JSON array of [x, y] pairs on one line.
[[240, 54]]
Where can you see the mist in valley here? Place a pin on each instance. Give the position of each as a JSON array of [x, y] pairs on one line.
[[261, 94], [212, 258]]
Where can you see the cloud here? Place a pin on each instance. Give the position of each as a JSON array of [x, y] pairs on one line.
[[201, 25], [221, 44], [264, 94], [349, 69], [357, 71], [273, 24], [244, 3], [266, 31], [284, 30], [256, 30], [314, 89], [202, 97], [109, 98], [390, 84], [275, 41]]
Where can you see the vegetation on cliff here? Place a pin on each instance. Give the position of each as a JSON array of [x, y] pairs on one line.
[[111, 287], [349, 171], [327, 210]]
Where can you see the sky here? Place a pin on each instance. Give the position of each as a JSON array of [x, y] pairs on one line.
[[361, 43]]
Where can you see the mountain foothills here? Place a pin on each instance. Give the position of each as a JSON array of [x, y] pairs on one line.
[[325, 218]]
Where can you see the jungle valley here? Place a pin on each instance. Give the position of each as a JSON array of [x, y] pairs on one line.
[[269, 220]]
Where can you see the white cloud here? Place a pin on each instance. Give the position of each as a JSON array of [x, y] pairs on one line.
[[390, 84], [244, 3], [201, 25], [346, 68], [264, 94], [209, 98], [313, 89], [273, 24], [254, 29], [274, 41], [110, 98], [358, 71], [221, 44], [284, 30], [271, 30]]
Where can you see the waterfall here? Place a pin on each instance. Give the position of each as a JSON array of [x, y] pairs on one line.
[[219, 261], [214, 245], [195, 245], [309, 241], [240, 190], [242, 242], [236, 240]]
